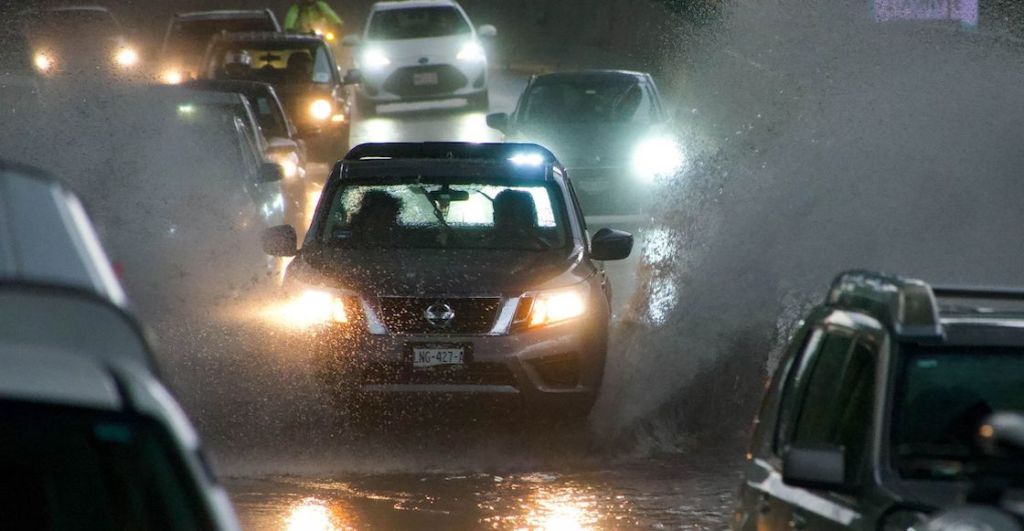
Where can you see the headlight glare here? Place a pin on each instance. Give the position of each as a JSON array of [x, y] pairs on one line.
[[289, 163], [374, 58], [320, 109], [555, 306], [126, 57], [657, 158], [313, 308], [172, 76], [43, 61], [471, 52]]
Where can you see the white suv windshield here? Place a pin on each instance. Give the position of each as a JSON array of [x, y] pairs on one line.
[[417, 23]]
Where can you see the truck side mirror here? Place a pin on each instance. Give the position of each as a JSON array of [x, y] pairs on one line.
[[280, 241], [817, 467], [498, 120]]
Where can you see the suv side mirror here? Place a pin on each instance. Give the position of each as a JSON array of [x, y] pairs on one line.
[[610, 244], [270, 173], [819, 467], [280, 241], [498, 120], [351, 41], [487, 31], [353, 77]]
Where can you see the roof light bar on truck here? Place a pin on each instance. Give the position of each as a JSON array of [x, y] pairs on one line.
[[905, 305]]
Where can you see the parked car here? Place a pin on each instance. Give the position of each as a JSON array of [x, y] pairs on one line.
[[452, 269], [608, 126], [303, 71], [188, 34], [283, 144], [871, 419], [420, 50], [91, 437]]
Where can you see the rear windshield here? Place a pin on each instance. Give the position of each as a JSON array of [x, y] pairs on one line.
[[69, 468], [447, 214], [271, 62], [188, 38], [417, 23], [942, 397], [587, 99]]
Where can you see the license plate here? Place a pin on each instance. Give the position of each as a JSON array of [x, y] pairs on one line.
[[424, 78], [435, 356]]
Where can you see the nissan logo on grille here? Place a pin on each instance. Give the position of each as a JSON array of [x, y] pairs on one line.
[[439, 315]]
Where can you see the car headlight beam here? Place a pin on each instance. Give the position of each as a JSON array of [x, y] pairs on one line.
[[126, 57], [43, 61], [554, 306], [320, 109], [471, 52], [657, 158], [311, 308], [374, 58]]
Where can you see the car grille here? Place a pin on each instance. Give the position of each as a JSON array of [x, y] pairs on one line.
[[407, 315], [449, 79], [469, 374]]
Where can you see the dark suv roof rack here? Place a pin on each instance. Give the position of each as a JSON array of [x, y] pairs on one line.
[[528, 153], [906, 306]]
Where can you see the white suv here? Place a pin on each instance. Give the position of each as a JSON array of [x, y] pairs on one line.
[[420, 50]]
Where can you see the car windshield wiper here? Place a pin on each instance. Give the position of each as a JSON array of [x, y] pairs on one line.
[[437, 214]]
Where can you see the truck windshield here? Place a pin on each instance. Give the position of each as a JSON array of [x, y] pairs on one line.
[[447, 214], [942, 397], [71, 468], [587, 99]]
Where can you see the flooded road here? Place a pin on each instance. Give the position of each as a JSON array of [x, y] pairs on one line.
[[619, 495]]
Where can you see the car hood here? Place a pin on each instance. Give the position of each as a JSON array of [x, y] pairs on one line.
[[426, 272], [585, 144], [435, 49]]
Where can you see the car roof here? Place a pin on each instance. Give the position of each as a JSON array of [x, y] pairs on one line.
[[224, 14], [59, 377], [35, 207], [239, 86], [49, 375], [594, 73], [79, 8], [409, 4], [268, 36]]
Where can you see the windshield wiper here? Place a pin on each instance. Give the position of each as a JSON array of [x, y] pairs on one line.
[[437, 214]]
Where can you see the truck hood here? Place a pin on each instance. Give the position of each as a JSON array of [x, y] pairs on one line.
[[449, 272]]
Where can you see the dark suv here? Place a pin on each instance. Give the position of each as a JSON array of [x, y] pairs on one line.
[[452, 268], [871, 419]]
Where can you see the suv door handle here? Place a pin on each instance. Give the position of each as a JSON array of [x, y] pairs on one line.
[[799, 521]]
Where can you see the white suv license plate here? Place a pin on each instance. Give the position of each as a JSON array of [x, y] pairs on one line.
[[423, 357], [424, 79]]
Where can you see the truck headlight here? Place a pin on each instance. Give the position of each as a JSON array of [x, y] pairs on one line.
[[320, 109], [312, 307], [126, 57], [657, 158], [373, 59], [552, 306], [471, 52]]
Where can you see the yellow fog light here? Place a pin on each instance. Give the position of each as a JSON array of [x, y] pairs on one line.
[[320, 110]]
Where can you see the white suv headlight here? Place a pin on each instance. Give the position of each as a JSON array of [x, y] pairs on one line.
[[657, 158], [373, 59], [312, 307]]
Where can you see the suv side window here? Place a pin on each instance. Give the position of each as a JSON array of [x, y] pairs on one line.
[[837, 405], [789, 401]]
